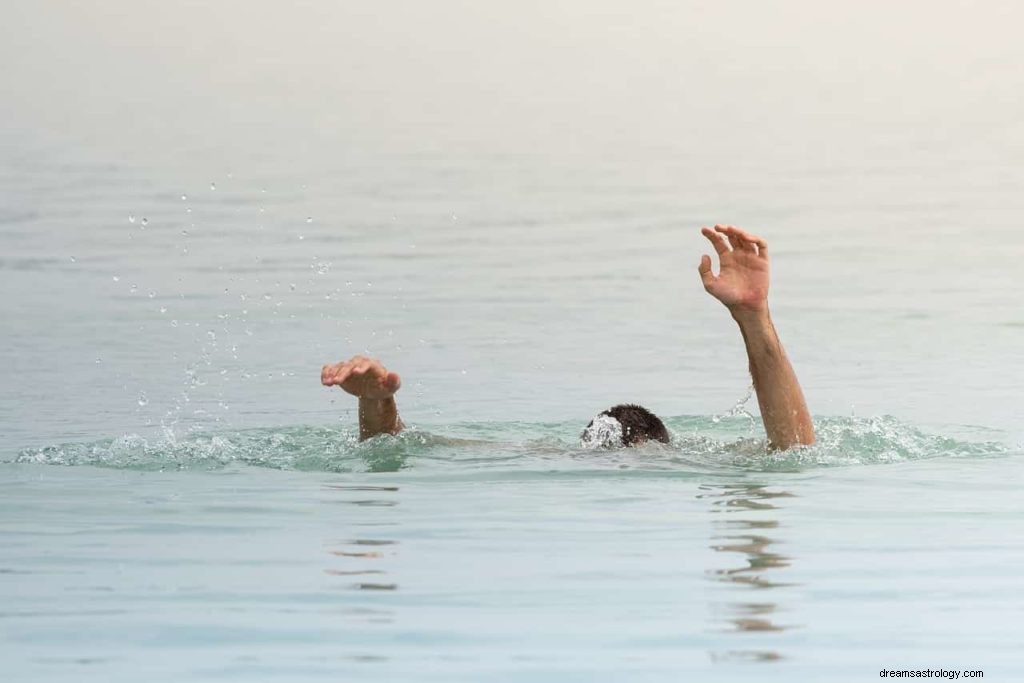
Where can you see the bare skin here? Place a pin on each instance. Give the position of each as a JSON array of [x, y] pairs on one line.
[[375, 387], [742, 285]]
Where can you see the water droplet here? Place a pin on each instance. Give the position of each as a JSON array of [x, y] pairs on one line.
[[302, 237], [145, 221], [174, 323], [131, 218], [98, 361], [133, 288], [185, 233], [74, 260], [143, 399], [213, 186], [292, 286], [184, 197], [163, 309], [309, 219], [117, 279]]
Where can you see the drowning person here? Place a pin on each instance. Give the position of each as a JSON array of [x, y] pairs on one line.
[[741, 285]]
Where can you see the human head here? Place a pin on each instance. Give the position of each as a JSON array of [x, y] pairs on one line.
[[623, 425]]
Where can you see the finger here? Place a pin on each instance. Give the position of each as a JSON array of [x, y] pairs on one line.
[[325, 373], [751, 238], [333, 370], [717, 240], [720, 233], [762, 245], [706, 276], [332, 373], [735, 241], [392, 382], [343, 374], [361, 367]]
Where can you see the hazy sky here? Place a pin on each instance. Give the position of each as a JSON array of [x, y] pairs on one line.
[[502, 75]]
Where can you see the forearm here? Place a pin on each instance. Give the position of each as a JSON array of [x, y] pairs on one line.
[[378, 416], [783, 408]]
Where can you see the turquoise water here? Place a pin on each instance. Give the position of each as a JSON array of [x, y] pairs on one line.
[[462, 554], [297, 554], [202, 203], [699, 444]]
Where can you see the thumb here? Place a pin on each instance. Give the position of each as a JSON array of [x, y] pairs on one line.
[[705, 270]]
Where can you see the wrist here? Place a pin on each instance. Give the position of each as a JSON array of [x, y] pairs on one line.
[[375, 402], [750, 314]]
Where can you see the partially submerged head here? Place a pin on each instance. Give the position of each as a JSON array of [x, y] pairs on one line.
[[623, 425]]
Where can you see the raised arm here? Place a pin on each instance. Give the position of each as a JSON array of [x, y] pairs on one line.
[[742, 285], [375, 386]]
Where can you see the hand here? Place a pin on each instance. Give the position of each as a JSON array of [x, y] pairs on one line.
[[363, 377], [742, 281]]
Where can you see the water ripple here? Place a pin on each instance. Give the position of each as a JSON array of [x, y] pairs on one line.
[[700, 445]]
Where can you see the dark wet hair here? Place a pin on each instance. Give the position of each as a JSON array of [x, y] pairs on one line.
[[638, 424]]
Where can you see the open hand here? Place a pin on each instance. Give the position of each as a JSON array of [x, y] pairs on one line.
[[742, 280], [363, 377]]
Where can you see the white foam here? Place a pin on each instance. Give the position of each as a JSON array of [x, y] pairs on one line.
[[604, 432]]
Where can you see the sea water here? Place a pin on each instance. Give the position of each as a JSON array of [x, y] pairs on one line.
[[190, 227], [299, 554]]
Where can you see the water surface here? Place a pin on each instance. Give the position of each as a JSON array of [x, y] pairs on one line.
[[202, 203]]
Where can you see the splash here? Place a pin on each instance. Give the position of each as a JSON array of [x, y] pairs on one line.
[[292, 448], [852, 441], [700, 444]]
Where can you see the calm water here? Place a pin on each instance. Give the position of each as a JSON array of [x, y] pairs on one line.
[[181, 250]]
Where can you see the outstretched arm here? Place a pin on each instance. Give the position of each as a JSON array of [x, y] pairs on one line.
[[375, 386], [742, 285]]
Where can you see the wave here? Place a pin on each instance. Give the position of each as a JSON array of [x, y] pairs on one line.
[[699, 444]]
